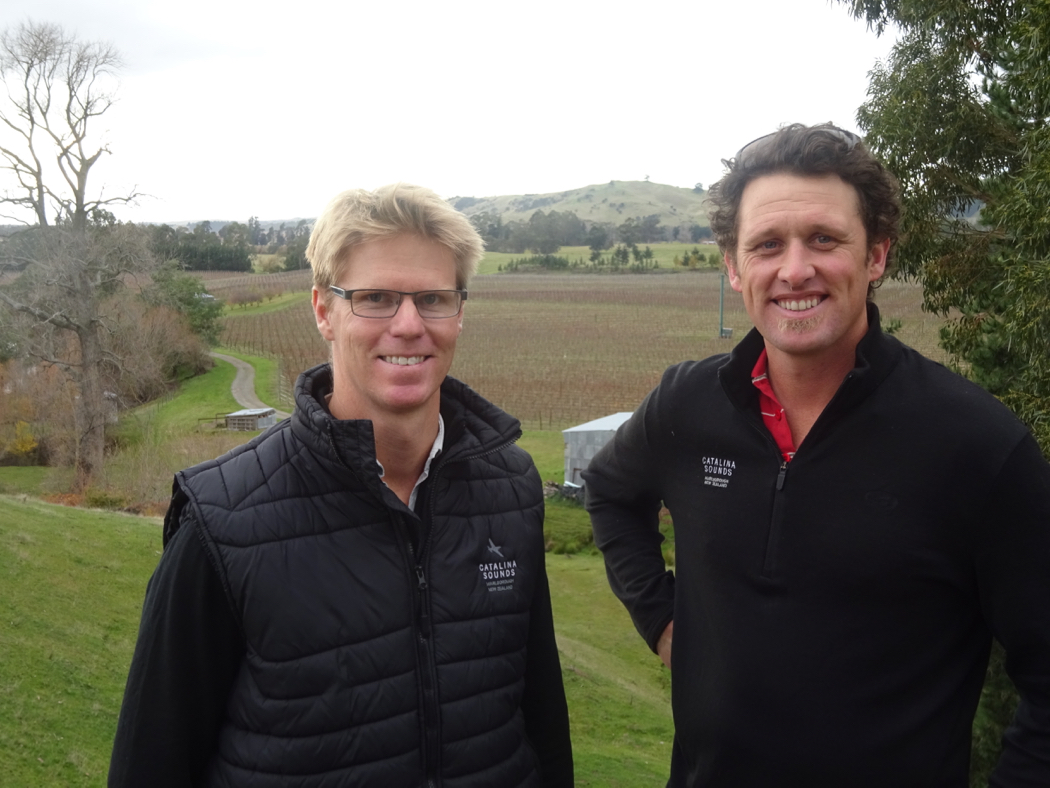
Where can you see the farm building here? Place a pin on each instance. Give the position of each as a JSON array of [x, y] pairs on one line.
[[251, 419], [583, 441]]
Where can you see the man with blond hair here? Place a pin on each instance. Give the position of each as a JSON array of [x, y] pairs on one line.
[[358, 597]]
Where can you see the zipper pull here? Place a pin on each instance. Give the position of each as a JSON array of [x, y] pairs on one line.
[[424, 617], [781, 475]]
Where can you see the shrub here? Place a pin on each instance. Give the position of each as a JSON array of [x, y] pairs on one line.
[[95, 498]]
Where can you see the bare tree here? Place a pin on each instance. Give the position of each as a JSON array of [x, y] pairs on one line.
[[56, 86], [63, 270]]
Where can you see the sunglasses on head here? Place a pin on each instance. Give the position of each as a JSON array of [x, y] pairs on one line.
[[760, 143]]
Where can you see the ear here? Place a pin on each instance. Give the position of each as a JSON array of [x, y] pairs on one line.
[[459, 320], [877, 257], [732, 273], [324, 325]]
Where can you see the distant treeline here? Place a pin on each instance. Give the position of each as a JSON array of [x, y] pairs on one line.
[[546, 233], [233, 247], [624, 257]]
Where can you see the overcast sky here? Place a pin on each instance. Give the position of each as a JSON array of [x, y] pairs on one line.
[[229, 109]]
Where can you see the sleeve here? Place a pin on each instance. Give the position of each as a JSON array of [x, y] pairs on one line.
[[543, 701], [187, 655], [1013, 575], [624, 501]]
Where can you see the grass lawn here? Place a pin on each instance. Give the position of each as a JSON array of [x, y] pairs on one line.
[[33, 479], [618, 691], [71, 589], [275, 304], [547, 448], [197, 399]]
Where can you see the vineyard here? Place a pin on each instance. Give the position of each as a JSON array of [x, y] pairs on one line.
[[557, 350]]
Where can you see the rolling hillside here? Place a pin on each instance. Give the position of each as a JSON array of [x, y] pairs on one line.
[[611, 202]]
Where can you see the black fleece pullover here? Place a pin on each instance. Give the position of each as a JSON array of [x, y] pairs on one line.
[[833, 616]]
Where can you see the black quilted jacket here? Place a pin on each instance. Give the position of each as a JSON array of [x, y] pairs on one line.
[[382, 647]]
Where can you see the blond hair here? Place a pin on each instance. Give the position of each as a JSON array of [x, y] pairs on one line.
[[357, 216]]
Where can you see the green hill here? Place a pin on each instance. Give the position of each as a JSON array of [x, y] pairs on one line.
[[611, 202]]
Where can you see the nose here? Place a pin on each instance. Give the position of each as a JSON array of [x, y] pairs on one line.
[[796, 268], [407, 322]]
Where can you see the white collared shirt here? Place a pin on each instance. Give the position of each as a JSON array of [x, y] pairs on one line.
[[439, 443]]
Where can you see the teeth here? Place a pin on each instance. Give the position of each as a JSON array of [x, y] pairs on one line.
[[798, 306], [403, 361]]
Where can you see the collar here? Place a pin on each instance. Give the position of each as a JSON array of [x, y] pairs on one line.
[[877, 355], [772, 411], [472, 426], [434, 451]]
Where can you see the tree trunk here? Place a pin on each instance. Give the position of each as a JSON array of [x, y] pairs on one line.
[[90, 410]]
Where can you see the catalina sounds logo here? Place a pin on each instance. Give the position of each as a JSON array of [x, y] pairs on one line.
[[498, 575], [718, 472]]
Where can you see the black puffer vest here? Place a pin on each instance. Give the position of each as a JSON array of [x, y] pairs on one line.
[[373, 660]]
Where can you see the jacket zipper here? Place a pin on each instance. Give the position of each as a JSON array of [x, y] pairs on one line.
[[424, 657], [776, 517], [773, 532], [775, 524], [428, 678], [424, 645]]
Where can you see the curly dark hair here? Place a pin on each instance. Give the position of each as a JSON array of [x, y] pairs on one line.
[[808, 150]]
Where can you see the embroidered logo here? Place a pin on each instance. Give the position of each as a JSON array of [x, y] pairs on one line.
[[498, 575], [718, 471]]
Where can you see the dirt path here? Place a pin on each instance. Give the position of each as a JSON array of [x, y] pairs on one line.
[[243, 387]]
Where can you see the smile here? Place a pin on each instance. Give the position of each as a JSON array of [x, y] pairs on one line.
[[404, 361], [798, 306]]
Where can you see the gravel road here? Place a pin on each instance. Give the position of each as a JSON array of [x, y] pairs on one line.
[[243, 387]]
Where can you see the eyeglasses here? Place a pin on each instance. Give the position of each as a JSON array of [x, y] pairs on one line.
[[430, 304], [756, 145]]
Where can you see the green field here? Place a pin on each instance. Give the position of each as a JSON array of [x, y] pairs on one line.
[[71, 588], [663, 254]]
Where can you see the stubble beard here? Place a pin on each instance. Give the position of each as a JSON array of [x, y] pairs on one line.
[[799, 325]]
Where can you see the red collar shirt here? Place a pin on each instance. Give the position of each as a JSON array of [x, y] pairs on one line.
[[772, 411]]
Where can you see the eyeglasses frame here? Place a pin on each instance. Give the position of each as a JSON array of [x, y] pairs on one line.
[[346, 295]]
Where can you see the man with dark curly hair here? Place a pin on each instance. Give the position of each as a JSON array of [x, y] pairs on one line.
[[853, 522]]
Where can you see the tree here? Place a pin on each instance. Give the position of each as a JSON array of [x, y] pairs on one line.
[[187, 295], [598, 238], [55, 86], [256, 235], [629, 232], [202, 249], [74, 256], [295, 253], [650, 229], [960, 112], [698, 232]]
